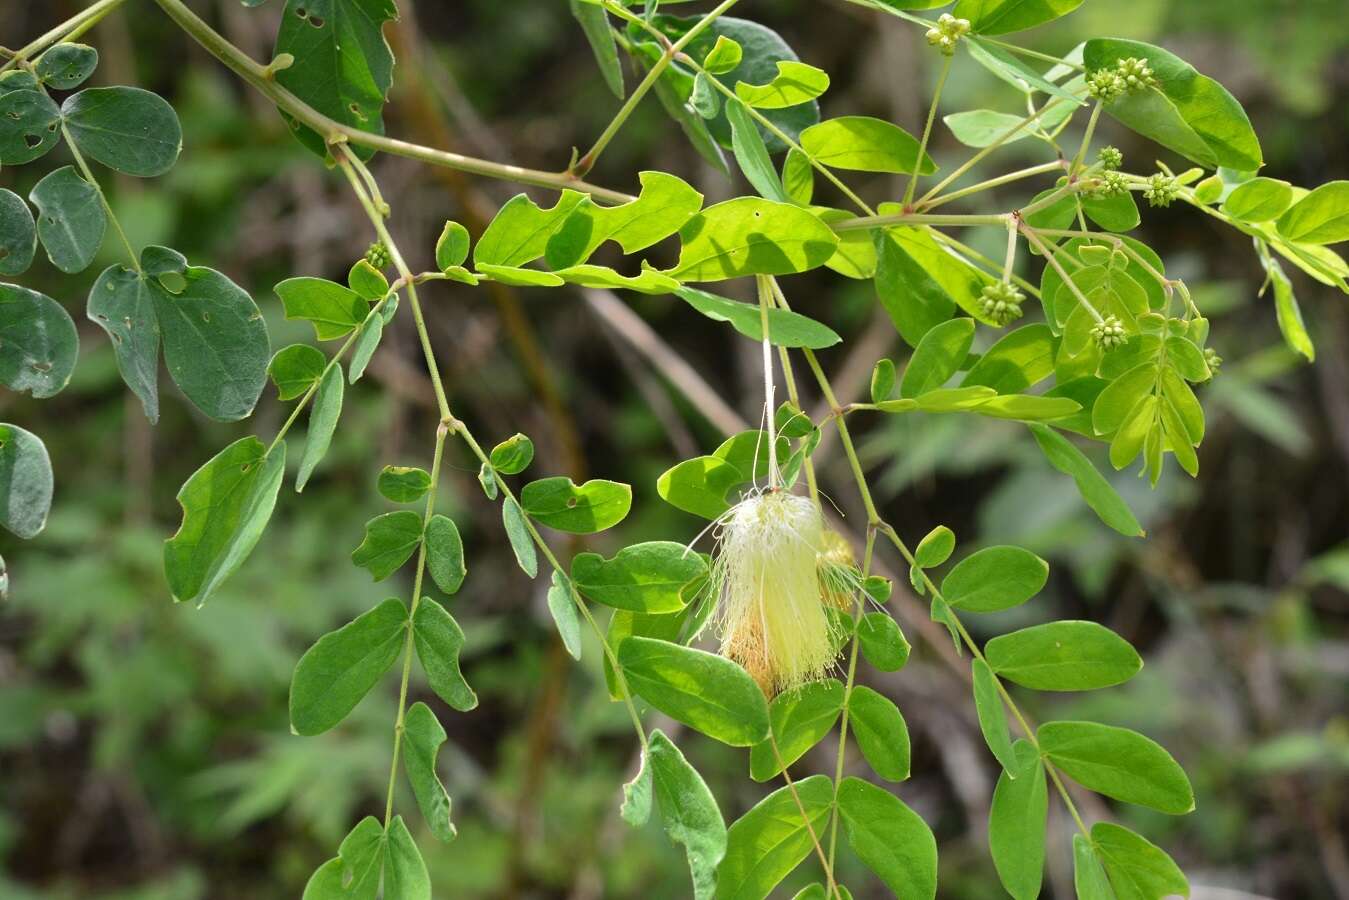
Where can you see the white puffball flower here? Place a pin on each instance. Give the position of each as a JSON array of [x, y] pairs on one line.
[[765, 579]]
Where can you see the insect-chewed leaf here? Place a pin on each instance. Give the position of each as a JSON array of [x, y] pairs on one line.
[[1016, 824], [342, 65], [700, 689], [637, 795], [1321, 217], [354, 873], [882, 642], [785, 327], [865, 144], [226, 505], [1188, 112], [878, 726], [794, 83], [38, 342], [689, 812], [438, 639], [751, 236], [18, 234], [992, 715], [521, 230], [332, 309], [937, 357], [422, 737], [890, 838], [445, 554], [343, 665], [71, 220], [1006, 16], [585, 509], [294, 369], [800, 718], [390, 540], [995, 578], [323, 417], [646, 578], [1137, 868], [66, 65], [765, 844], [30, 125], [25, 482], [128, 129], [1118, 763]]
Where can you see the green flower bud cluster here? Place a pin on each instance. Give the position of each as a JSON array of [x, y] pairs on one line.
[[1111, 158], [1001, 302], [1111, 184], [1127, 76], [1215, 362], [1109, 333], [378, 255], [1162, 189], [948, 33]]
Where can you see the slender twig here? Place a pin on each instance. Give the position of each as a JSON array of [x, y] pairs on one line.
[[927, 127], [1043, 168], [74, 24], [102, 197], [1051, 256]]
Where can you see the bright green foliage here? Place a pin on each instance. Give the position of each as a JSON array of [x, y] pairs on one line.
[[785, 328], [880, 732], [438, 639], [992, 715], [71, 220], [794, 83], [332, 309], [1137, 868], [937, 357], [864, 144], [404, 484], [748, 236], [390, 540], [226, 505], [1063, 656], [1004, 16], [704, 485], [800, 719], [689, 812], [341, 668], [294, 370], [645, 578], [595, 23], [882, 643], [127, 129], [702, 690], [1016, 823], [1089, 879], [770, 840], [890, 838], [579, 509], [38, 342], [513, 455], [1118, 763], [1259, 200], [995, 578], [1321, 217]]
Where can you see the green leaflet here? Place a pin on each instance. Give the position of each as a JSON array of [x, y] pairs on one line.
[[1016, 823], [71, 220], [637, 795], [984, 127], [517, 531], [342, 65], [30, 125], [595, 23], [513, 455], [333, 310], [354, 873], [785, 327], [937, 357], [882, 642], [865, 144], [1020, 359], [765, 844], [1095, 490], [992, 715], [1050, 281], [389, 542], [405, 875], [702, 690], [880, 732], [215, 341], [1137, 868], [438, 639], [1259, 200], [404, 484], [226, 505], [343, 665], [1286, 307], [794, 83], [751, 236], [1063, 656], [585, 509], [1006, 16], [444, 552], [647, 577], [689, 812], [1089, 881], [127, 129], [1321, 217], [562, 607], [995, 578], [422, 737], [66, 65], [890, 838], [38, 342], [18, 234], [323, 416], [702, 485], [1189, 113], [751, 154], [452, 246], [800, 719], [294, 369], [1118, 763], [25, 482]]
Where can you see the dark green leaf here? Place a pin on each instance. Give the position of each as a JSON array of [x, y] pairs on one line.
[[995, 578], [765, 844], [30, 125], [67, 65], [445, 554], [522, 543], [133, 131], [785, 327], [389, 542], [226, 505], [294, 369], [800, 718], [343, 665], [38, 342], [422, 737], [332, 309], [647, 577], [18, 234], [513, 455], [71, 220], [890, 838], [323, 416], [595, 23], [1016, 824], [404, 484], [880, 732], [1063, 656], [689, 812], [883, 644], [438, 639], [366, 345], [25, 482], [585, 509], [1118, 763], [702, 690], [405, 876]]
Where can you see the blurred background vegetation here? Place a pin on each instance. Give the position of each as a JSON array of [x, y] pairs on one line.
[[144, 748]]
